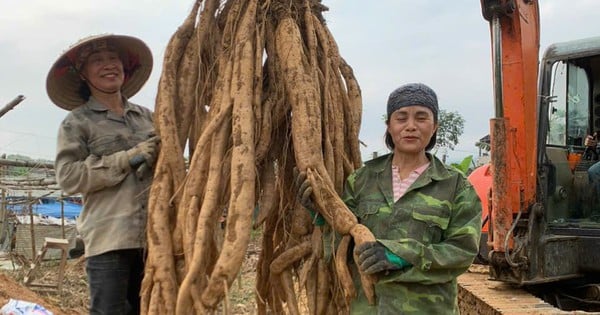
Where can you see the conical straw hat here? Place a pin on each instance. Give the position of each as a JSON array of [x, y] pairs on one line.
[[63, 80]]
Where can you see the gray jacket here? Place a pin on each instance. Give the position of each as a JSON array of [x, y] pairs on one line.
[[91, 159]]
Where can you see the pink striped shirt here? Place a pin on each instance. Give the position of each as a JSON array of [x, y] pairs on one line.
[[400, 186]]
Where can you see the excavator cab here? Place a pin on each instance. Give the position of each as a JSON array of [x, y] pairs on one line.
[[543, 214], [570, 111], [555, 240]]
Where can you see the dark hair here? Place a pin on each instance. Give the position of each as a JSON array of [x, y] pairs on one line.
[[84, 91]]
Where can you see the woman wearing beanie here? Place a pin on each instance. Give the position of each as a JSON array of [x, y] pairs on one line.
[[105, 151], [426, 217]]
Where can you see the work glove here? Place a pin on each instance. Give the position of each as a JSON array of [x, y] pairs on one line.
[[144, 152], [303, 192], [374, 257]]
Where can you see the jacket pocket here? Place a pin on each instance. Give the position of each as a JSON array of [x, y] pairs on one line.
[[428, 224], [365, 210], [106, 145]]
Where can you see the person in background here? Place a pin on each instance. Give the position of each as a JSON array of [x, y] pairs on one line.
[[106, 149], [591, 145], [425, 215]]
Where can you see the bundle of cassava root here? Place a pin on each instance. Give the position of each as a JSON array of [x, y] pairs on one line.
[[256, 90]]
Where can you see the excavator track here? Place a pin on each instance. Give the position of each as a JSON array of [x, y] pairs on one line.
[[478, 295]]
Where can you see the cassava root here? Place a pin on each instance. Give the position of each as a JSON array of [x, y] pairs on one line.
[[254, 88]]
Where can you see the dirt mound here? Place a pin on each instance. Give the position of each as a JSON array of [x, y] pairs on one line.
[[74, 297], [11, 289], [71, 300]]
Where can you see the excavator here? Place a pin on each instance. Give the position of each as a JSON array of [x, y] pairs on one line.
[[540, 210]]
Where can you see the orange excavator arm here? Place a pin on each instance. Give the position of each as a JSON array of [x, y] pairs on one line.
[[514, 26]]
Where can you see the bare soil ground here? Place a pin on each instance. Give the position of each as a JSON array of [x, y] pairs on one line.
[[74, 299], [241, 296], [71, 300]]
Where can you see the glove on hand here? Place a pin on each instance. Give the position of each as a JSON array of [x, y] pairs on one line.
[[303, 191], [145, 151], [374, 257]]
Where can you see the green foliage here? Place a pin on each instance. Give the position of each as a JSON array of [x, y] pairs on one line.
[[20, 171], [464, 165], [451, 127], [484, 143]]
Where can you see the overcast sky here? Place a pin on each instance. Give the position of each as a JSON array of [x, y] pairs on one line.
[[445, 44]]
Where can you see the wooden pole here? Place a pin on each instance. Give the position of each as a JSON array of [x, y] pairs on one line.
[[11, 104], [62, 214], [26, 164], [4, 225], [30, 208]]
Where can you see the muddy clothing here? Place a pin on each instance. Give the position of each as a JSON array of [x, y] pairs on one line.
[[92, 160], [435, 226]]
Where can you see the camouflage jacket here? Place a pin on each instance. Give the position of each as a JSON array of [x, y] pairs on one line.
[[435, 226], [91, 159]]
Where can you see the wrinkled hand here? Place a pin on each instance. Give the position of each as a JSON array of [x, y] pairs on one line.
[[374, 257], [303, 192], [144, 152], [590, 141]]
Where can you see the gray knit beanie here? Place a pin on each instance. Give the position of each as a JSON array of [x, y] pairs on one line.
[[412, 94]]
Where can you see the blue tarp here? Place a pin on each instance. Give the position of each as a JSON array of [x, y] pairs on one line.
[[71, 210], [49, 207]]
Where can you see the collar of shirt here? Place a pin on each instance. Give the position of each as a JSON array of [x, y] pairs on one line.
[[94, 105], [419, 170], [399, 186]]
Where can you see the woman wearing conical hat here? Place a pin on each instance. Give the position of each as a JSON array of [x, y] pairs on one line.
[[105, 151]]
